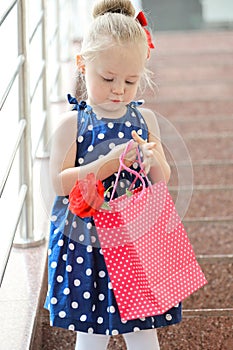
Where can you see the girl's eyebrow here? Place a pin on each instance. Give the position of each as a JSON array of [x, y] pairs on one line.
[[129, 76]]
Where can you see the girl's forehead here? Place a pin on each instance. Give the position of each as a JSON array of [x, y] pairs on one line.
[[130, 57]]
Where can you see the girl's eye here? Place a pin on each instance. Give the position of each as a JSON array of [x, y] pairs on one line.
[[130, 82], [107, 79]]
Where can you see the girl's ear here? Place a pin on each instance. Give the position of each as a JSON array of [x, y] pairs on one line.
[[80, 63]]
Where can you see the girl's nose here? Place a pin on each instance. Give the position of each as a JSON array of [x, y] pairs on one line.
[[118, 88]]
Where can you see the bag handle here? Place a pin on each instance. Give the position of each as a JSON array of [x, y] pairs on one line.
[[137, 174]]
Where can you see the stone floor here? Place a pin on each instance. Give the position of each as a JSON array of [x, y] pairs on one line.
[[193, 100]]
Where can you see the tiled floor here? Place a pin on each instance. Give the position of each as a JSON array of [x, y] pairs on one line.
[[194, 74]]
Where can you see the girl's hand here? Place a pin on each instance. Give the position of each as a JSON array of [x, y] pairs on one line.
[[149, 151], [130, 156]]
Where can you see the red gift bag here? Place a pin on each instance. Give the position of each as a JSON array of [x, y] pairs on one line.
[[149, 258]]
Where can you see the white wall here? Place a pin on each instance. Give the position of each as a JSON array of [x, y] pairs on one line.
[[218, 10]]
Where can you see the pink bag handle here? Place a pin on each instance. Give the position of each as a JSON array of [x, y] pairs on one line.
[[137, 174]]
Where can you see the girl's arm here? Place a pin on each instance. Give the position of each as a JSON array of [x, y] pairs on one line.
[[63, 172], [154, 158]]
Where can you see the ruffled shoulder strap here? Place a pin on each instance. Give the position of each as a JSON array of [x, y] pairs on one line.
[[136, 103], [77, 106]]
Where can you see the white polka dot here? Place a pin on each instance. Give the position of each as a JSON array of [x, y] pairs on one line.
[[111, 145], [110, 125], [65, 201], [49, 252], [89, 225], [101, 297], [79, 260], [81, 238], [83, 318], [74, 224], [136, 329], [115, 332], [100, 320], [80, 139], [93, 239], [88, 272], [112, 309], [90, 148], [74, 305], [60, 242], [53, 218], [102, 274], [139, 132], [77, 282], [64, 257], [81, 160], [168, 317], [109, 285], [66, 291], [128, 124], [93, 308], [101, 136], [121, 135], [62, 314], [59, 279], [90, 330], [69, 268], [90, 127], [53, 301], [71, 327], [86, 295], [89, 248], [71, 246], [53, 264]]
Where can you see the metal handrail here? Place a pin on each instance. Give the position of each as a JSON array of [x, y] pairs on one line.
[[39, 22], [7, 12], [21, 127], [40, 76], [18, 211], [23, 218], [20, 61]]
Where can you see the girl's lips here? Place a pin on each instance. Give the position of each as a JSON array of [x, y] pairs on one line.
[[116, 101]]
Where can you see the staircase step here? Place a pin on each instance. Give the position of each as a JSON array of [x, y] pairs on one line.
[[210, 237], [210, 202], [198, 332], [205, 174], [217, 294], [200, 148], [199, 126], [189, 109]]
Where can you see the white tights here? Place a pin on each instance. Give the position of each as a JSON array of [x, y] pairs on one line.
[[146, 339]]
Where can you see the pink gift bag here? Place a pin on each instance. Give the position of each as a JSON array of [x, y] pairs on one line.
[[149, 258]]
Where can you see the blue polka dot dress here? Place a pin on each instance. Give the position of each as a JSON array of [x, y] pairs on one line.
[[80, 295]]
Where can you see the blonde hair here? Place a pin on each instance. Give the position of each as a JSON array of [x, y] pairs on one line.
[[113, 22]]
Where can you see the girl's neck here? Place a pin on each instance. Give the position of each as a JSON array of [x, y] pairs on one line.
[[111, 114]]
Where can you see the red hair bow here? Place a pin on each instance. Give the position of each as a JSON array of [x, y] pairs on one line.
[[143, 21]]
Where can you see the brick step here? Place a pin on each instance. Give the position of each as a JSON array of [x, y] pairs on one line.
[[213, 237], [198, 126], [191, 109], [204, 174], [164, 61], [217, 203], [199, 148], [169, 72], [217, 294], [219, 90], [203, 330], [196, 43]]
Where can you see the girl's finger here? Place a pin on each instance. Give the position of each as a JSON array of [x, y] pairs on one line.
[[137, 138]]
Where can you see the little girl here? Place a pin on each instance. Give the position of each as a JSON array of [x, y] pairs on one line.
[[90, 140]]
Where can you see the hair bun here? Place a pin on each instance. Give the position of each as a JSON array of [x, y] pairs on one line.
[[124, 7]]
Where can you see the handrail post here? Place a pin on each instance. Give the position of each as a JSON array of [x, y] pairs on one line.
[[26, 235]]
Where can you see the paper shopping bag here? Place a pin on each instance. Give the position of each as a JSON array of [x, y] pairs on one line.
[[149, 258]]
